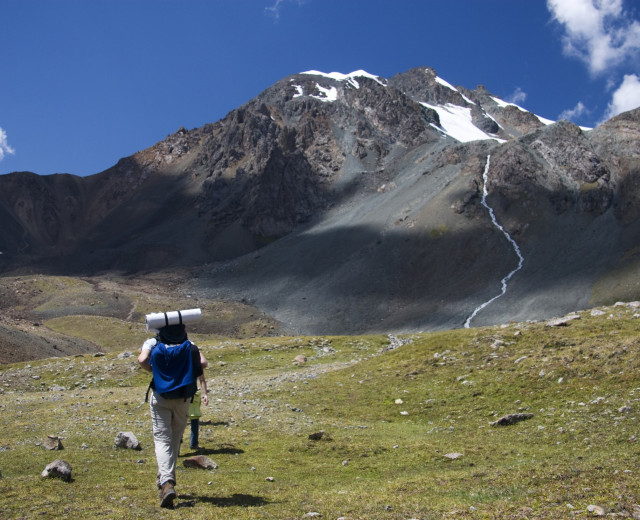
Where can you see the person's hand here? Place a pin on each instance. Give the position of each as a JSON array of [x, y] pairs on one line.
[[205, 399]]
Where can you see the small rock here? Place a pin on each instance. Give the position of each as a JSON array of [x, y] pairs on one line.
[[316, 436], [562, 322], [453, 456], [199, 462], [595, 510], [269, 479], [399, 401], [52, 442], [127, 440], [511, 419], [300, 360], [125, 354], [312, 514], [58, 469]]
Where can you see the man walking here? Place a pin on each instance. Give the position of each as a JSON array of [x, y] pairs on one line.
[[176, 364]]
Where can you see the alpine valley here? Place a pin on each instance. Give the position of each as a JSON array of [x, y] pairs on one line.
[[349, 204]]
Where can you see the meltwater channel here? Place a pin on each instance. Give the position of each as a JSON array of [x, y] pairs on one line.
[[505, 280]]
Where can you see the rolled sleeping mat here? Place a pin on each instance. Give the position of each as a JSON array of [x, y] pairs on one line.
[[157, 320]]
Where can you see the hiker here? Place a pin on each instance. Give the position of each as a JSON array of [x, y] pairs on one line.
[[195, 413], [176, 364]]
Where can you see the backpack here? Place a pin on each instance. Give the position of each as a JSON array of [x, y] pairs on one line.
[[173, 371]]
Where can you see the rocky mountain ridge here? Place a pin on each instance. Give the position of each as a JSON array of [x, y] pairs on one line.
[[353, 203]]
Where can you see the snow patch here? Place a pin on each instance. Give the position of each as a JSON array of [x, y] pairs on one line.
[[326, 94], [456, 122], [467, 99], [346, 77], [299, 91], [446, 84], [503, 104], [544, 121]]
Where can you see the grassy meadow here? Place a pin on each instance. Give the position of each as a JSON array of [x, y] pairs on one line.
[[406, 431]]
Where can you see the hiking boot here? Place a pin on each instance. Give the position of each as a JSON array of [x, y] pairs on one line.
[[168, 494]]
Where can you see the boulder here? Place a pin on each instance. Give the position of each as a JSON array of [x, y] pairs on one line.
[[199, 462], [127, 440], [58, 469], [511, 419], [52, 442]]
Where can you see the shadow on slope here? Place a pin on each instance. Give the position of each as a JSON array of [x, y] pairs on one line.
[[362, 279]]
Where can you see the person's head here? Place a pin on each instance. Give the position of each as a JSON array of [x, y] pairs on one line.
[[172, 334]]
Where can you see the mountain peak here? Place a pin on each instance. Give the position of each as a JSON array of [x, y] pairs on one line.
[[343, 203]]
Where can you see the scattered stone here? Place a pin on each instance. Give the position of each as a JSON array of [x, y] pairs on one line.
[[345, 462], [453, 456], [316, 436], [312, 514], [625, 409], [125, 354], [562, 322], [300, 360], [99, 354], [199, 462], [597, 312], [270, 479], [404, 413], [127, 440], [595, 510], [52, 442], [58, 469], [399, 401], [511, 419]]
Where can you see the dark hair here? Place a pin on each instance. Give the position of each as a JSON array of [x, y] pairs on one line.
[[172, 334]]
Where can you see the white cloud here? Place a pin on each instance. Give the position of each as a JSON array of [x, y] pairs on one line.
[[4, 145], [627, 97], [274, 10], [572, 113], [518, 96], [599, 32]]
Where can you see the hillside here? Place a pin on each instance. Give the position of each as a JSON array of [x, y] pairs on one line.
[[411, 427], [348, 204]]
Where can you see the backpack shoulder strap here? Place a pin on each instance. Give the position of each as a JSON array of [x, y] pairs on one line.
[[151, 385]]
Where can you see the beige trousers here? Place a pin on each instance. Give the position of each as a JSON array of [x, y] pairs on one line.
[[169, 418]]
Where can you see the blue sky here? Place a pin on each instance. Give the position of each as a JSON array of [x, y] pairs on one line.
[[86, 82]]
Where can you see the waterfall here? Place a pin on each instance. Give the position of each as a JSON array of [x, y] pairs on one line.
[[506, 279]]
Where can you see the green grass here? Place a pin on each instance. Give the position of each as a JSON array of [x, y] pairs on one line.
[[379, 458]]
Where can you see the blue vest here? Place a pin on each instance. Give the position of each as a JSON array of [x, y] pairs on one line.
[[172, 367]]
